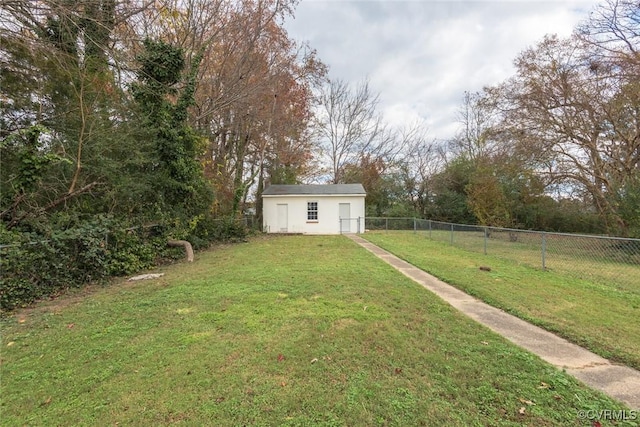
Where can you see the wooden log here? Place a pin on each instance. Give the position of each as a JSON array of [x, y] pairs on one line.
[[186, 245]]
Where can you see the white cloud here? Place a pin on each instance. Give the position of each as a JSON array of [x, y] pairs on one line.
[[422, 55]]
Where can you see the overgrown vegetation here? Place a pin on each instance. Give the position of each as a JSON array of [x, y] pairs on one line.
[[74, 253], [100, 166], [332, 337]]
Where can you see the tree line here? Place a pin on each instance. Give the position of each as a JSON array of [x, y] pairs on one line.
[[127, 122], [131, 114], [156, 110], [554, 147]]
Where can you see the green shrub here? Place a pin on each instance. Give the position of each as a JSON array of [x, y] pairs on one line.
[[33, 270], [128, 252], [71, 251], [210, 230], [70, 254]]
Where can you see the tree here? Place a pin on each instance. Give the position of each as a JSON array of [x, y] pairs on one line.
[[613, 31], [612, 41], [576, 122], [478, 117], [370, 173], [487, 199], [25, 163], [57, 77], [448, 193], [349, 127], [414, 169], [178, 177], [253, 97]]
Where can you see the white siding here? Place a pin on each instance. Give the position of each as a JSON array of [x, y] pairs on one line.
[[328, 213]]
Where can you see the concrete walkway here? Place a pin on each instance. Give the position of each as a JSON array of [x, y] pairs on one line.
[[620, 382]]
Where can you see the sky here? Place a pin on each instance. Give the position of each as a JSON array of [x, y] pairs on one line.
[[420, 56]]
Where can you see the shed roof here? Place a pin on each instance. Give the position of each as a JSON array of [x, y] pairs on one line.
[[328, 189]]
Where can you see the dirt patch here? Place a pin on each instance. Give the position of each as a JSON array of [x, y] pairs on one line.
[[55, 303]]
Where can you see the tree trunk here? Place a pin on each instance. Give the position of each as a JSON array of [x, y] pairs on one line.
[[184, 244]]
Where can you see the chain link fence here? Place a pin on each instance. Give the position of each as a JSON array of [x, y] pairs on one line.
[[351, 225], [609, 261]]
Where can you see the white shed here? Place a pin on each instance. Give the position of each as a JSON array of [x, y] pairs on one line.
[[313, 209]]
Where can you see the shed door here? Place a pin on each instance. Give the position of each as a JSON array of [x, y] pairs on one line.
[[345, 217], [283, 218]]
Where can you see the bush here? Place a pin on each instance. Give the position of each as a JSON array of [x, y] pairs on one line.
[[32, 270], [37, 265], [209, 230], [128, 251], [70, 252]]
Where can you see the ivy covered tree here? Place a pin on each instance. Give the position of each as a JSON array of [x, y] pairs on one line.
[[163, 94]]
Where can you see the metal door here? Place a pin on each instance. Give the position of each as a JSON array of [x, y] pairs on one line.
[[345, 217], [283, 218]]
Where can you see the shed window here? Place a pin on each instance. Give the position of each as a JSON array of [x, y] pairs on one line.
[[312, 211]]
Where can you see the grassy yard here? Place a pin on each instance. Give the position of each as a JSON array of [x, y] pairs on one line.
[[287, 331], [599, 261], [600, 317]]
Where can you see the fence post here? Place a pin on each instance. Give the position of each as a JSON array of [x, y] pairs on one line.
[[485, 240], [358, 225], [544, 250], [452, 234], [386, 224], [414, 225], [429, 229]]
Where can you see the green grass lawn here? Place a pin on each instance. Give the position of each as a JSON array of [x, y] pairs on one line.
[[600, 317], [596, 260], [286, 331]]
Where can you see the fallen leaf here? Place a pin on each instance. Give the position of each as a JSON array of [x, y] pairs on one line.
[[528, 402], [314, 360], [544, 385], [22, 320], [46, 402], [596, 423], [398, 371], [10, 343], [522, 410], [71, 325], [557, 397], [282, 384], [220, 399], [280, 358], [484, 342]]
